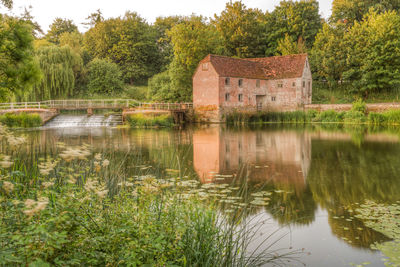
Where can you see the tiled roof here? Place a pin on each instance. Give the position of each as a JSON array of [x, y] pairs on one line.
[[280, 67]]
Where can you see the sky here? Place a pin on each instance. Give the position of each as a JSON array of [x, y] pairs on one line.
[[45, 11]]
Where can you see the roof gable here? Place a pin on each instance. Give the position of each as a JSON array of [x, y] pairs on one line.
[[280, 67]]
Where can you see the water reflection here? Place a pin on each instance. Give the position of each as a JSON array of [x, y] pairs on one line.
[[316, 176]]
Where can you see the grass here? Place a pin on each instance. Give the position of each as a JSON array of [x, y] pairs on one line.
[[23, 120], [143, 120]]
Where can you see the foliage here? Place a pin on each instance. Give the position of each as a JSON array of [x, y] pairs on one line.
[[127, 41], [391, 117], [373, 61], [136, 92], [58, 27], [288, 47], [144, 120], [104, 77], [160, 87], [298, 19], [7, 3], [19, 70], [21, 120], [328, 57], [359, 106], [94, 18], [192, 40], [241, 30], [349, 11], [73, 40], [60, 66]]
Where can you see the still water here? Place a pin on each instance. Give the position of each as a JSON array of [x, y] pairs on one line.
[[316, 175]]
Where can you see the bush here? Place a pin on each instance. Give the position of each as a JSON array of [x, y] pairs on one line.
[[329, 116], [359, 106], [376, 118], [104, 77], [353, 116], [142, 120], [21, 120]]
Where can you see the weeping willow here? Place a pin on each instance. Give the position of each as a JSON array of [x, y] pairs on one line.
[[59, 66]]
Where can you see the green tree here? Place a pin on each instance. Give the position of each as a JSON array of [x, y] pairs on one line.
[[241, 30], [287, 46], [192, 41], [18, 69], [73, 40], [58, 27], [160, 88], [59, 66], [104, 77], [7, 3], [373, 52], [348, 11], [328, 56], [94, 18], [298, 19], [128, 41]]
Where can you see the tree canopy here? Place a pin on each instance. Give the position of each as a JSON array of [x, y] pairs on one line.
[[18, 69], [104, 77], [58, 27]]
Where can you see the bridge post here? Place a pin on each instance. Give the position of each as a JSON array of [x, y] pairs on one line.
[[39, 104]]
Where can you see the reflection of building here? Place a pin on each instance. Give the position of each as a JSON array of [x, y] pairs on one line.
[[278, 156]]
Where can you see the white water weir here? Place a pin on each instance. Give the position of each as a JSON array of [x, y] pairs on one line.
[[65, 121]]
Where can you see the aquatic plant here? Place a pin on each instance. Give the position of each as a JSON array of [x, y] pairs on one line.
[[23, 120], [142, 120]]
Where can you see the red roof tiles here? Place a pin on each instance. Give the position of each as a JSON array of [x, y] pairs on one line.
[[280, 67]]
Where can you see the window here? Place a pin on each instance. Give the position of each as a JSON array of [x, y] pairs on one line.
[[280, 84], [240, 82], [205, 66], [227, 97], [294, 84], [273, 98], [258, 83], [304, 84], [240, 97], [227, 81]]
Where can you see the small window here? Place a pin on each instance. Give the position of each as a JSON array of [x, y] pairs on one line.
[[240, 97], [280, 84], [273, 98], [205, 66], [304, 84], [258, 83], [240, 82], [227, 81], [294, 84], [227, 97]]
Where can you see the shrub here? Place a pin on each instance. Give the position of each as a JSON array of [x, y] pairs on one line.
[[329, 116], [359, 106], [104, 77], [392, 116], [142, 120], [353, 116], [376, 118], [21, 120]]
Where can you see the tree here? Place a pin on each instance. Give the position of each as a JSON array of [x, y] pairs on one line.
[[104, 77], [286, 46], [128, 41], [18, 69], [94, 18], [26, 16], [58, 27], [328, 56], [7, 3], [241, 30], [192, 41], [59, 66], [373, 52], [298, 19], [349, 11], [73, 40]]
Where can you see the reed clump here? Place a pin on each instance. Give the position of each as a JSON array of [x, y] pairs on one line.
[[23, 120], [156, 120]]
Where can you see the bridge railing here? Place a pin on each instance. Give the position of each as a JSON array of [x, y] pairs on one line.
[[96, 104]]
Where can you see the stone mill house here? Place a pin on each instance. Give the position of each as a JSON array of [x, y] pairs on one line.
[[223, 84]]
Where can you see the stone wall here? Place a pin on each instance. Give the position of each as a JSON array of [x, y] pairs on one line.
[[375, 107]]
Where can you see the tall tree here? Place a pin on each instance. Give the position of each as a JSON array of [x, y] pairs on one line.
[[104, 77], [328, 56], [58, 27], [94, 18], [287, 46], [59, 66], [242, 30], [298, 19], [18, 69], [7, 3], [128, 41], [348, 11], [373, 52]]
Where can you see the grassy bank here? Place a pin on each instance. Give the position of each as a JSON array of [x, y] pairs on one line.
[[357, 115], [21, 120], [144, 120]]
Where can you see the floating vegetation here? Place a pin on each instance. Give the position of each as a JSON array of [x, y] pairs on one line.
[[385, 219]]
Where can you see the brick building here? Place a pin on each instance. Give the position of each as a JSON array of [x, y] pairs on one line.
[[223, 84]]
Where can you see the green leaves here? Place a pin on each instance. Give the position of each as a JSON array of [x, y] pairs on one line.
[[104, 77]]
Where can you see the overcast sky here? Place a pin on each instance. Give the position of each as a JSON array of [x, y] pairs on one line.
[[45, 11]]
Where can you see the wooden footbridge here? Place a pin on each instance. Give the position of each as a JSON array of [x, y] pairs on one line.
[[128, 106]]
